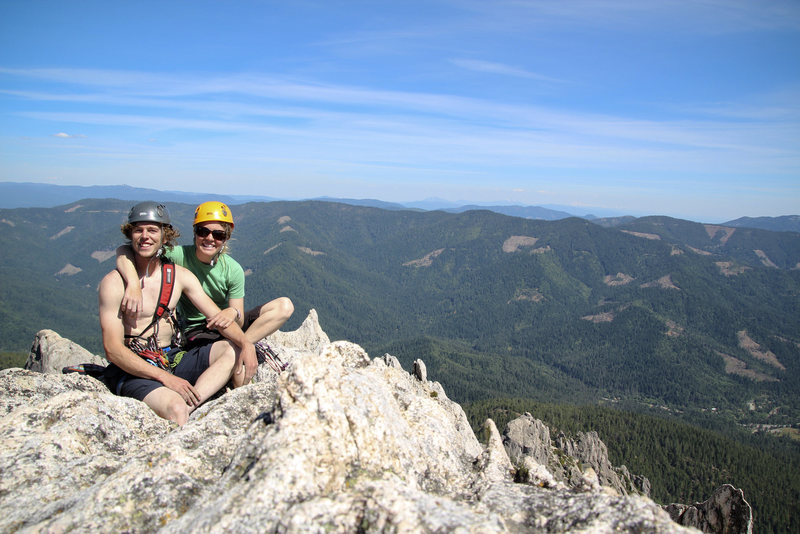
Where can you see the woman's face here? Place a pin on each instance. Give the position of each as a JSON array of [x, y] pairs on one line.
[[209, 245]]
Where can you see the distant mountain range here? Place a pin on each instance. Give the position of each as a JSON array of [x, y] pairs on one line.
[[38, 195], [785, 223], [35, 195], [32, 195]]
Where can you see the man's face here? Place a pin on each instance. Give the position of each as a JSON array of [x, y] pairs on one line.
[[146, 238]]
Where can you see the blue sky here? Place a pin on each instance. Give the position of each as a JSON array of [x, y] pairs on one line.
[[682, 108]]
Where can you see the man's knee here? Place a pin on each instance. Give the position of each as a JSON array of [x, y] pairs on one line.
[[178, 411], [222, 353], [169, 406]]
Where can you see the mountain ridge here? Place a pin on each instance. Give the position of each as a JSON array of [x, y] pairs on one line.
[[30, 195]]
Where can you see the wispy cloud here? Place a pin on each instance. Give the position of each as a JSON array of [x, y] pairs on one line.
[[491, 67], [398, 125], [63, 135], [696, 16]]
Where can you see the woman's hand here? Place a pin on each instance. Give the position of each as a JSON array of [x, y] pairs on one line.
[[223, 319], [132, 300]]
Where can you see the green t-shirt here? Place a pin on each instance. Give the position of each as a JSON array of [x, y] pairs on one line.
[[223, 281]]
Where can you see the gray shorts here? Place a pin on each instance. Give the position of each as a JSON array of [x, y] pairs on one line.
[[193, 363]]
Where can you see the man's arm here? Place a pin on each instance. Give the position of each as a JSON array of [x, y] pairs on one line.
[[132, 299], [191, 287], [110, 297]]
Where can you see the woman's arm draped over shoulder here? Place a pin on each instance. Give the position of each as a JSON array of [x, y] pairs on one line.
[[132, 298]]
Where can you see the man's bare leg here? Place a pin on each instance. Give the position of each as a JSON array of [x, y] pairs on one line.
[[168, 404], [220, 368]]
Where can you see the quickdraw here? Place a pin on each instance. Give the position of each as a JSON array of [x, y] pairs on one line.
[[157, 358]]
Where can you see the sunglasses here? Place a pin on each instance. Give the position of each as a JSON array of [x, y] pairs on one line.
[[202, 231]]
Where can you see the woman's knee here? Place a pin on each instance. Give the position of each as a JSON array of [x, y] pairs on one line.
[[286, 306], [281, 307]]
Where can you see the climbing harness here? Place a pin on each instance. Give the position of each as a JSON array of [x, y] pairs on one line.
[[147, 347]]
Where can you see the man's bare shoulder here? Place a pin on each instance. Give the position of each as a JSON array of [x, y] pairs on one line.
[[111, 289], [182, 271], [184, 277], [112, 279]]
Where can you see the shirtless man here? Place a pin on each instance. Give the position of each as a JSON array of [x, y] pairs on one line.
[[145, 362]]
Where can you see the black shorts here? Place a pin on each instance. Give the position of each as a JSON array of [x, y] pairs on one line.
[[193, 363], [198, 335]]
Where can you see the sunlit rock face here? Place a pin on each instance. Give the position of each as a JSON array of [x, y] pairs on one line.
[[338, 442]]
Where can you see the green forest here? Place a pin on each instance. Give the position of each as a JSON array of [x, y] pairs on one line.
[[684, 463]]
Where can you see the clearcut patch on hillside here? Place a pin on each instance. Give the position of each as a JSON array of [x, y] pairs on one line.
[[103, 255], [605, 317], [425, 261], [515, 242], [665, 282], [673, 328], [531, 295], [764, 258], [284, 222], [65, 231], [713, 230], [653, 237], [619, 279], [699, 251], [754, 349], [310, 252], [11, 223], [273, 247], [735, 366], [728, 268], [68, 270]]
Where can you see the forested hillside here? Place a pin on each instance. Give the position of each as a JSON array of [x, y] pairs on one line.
[[684, 463], [555, 308]]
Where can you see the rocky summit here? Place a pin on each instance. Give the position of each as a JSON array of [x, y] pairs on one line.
[[338, 442]]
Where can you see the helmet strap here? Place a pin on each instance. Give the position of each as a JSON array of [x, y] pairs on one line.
[[214, 259]]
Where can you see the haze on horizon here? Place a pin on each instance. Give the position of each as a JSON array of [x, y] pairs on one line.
[[689, 109]]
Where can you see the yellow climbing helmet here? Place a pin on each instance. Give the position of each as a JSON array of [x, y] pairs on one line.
[[213, 211]]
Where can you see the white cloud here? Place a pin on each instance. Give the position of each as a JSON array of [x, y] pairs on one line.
[[491, 67]]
